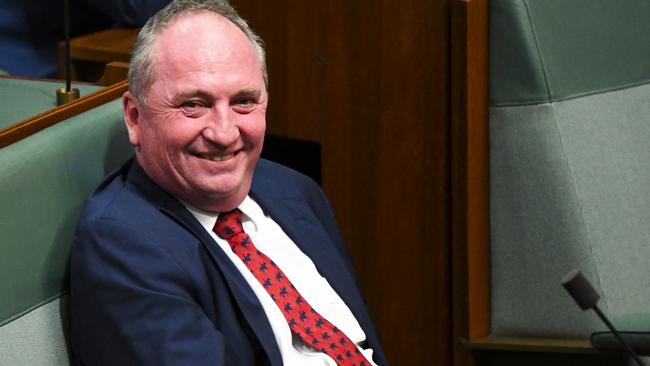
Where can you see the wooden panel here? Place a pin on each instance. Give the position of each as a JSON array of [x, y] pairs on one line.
[[396, 177], [89, 53], [492, 343], [470, 176], [370, 80], [290, 30], [114, 72], [105, 46]]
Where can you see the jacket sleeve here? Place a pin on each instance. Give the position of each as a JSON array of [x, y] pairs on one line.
[[132, 304]]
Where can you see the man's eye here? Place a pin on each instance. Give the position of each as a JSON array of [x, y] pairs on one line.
[[244, 105], [246, 101], [190, 104], [194, 108]]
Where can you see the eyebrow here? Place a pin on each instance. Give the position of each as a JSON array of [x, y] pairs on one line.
[[192, 94], [254, 93]]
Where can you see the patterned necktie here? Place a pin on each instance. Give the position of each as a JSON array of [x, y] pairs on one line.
[[304, 321]]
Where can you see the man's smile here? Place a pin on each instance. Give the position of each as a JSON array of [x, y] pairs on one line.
[[216, 156]]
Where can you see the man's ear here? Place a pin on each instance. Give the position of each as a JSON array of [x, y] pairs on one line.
[[131, 109]]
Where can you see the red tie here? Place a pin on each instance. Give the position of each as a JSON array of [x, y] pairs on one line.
[[304, 321]]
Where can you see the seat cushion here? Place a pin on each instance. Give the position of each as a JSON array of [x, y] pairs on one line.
[[634, 329]]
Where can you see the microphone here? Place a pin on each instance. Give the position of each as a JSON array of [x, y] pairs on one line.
[[587, 298], [67, 94]]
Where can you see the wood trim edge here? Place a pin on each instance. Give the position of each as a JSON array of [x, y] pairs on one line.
[[470, 274], [41, 121], [523, 344]]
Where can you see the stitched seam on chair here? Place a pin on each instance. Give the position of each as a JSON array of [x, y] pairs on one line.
[[579, 199], [31, 308], [539, 52], [575, 96]]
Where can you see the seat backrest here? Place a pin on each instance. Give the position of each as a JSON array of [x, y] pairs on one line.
[[44, 180], [569, 161], [25, 98]]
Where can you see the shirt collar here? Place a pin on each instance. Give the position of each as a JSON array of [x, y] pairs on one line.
[[251, 218]]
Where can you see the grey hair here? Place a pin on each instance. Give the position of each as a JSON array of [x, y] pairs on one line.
[[141, 67]]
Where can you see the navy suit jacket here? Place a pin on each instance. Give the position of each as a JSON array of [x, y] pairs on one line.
[[149, 286]]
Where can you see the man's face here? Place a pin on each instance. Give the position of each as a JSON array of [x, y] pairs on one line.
[[201, 132]]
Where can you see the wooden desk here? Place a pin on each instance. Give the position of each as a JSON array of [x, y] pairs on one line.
[[89, 53]]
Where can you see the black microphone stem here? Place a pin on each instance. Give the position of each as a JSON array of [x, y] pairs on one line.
[[66, 26], [618, 335]]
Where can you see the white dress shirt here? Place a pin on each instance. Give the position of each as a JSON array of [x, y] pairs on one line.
[[270, 239]]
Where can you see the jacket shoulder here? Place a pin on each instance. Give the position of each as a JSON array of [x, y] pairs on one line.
[[275, 178]]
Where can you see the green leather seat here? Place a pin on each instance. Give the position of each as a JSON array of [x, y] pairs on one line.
[[44, 180], [22, 98], [569, 161]]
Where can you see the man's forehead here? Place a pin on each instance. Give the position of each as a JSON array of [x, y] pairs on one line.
[[202, 34], [186, 21], [203, 26]]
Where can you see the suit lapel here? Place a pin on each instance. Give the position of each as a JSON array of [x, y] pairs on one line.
[[295, 216], [297, 220], [244, 295]]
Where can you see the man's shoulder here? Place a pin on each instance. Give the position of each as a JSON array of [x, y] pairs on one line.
[[271, 176], [274, 183], [114, 198], [130, 208]]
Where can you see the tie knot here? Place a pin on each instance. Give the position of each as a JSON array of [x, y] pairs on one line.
[[228, 224]]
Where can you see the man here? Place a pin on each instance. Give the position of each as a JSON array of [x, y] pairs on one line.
[[161, 271]]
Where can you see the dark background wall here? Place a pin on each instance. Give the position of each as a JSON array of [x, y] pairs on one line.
[[369, 80]]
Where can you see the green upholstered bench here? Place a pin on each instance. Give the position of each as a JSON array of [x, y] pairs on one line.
[[23, 98], [569, 162], [635, 329], [44, 180]]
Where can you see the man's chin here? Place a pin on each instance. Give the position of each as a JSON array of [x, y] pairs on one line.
[[218, 199]]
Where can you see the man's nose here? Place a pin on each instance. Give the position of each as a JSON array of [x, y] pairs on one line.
[[221, 128]]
